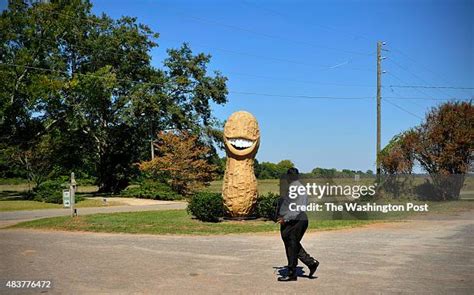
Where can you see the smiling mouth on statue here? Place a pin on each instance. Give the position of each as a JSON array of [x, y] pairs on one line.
[[240, 143]]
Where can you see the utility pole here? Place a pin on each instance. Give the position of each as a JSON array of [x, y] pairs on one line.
[[72, 194], [152, 148], [379, 97]]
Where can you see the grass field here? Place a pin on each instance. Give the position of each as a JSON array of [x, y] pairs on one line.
[[264, 186], [179, 222], [10, 201], [169, 222], [33, 205]]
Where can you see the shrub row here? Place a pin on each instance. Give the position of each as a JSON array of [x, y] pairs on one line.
[[50, 191], [152, 190], [209, 207]]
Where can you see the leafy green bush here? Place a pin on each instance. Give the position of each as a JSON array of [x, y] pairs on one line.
[[51, 191], [152, 190], [267, 205], [206, 206]]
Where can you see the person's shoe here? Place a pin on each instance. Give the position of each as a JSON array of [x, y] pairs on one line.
[[313, 268], [288, 278], [291, 276]]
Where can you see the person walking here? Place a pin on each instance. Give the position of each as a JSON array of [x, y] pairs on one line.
[[293, 224]]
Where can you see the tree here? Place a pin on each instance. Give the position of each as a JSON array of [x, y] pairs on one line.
[[397, 161], [220, 163], [444, 144], [88, 83], [182, 161], [397, 156], [284, 165], [324, 173], [36, 162], [268, 170]]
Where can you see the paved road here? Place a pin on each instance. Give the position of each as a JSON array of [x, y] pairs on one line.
[[417, 257], [12, 217]]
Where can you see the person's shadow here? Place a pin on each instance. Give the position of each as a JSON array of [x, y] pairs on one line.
[[283, 272]]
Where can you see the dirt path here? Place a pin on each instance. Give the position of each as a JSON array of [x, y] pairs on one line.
[[134, 201], [417, 257]]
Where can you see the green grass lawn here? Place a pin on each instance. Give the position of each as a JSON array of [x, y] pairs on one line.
[[264, 186], [179, 222], [33, 205], [26, 205], [169, 222]]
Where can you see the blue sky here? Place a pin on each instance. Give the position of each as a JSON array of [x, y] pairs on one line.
[[320, 48]]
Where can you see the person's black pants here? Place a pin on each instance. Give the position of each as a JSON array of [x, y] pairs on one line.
[[292, 232]]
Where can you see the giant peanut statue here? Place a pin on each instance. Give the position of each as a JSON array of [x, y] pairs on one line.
[[241, 141]]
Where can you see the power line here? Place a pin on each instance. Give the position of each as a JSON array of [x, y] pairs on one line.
[[101, 21], [298, 81], [420, 98], [270, 58], [266, 57], [326, 27], [430, 87], [203, 20], [235, 92], [397, 50], [114, 51], [425, 67], [403, 109], [416, 89], [416, 76], [410, 101], [270, 36], [141, 82], [299, 96], [429, 97]]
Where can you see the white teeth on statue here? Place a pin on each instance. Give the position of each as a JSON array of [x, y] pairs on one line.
[[241, 142]]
